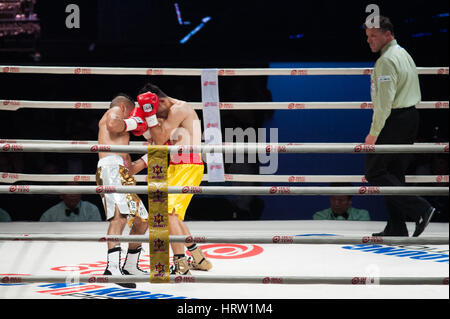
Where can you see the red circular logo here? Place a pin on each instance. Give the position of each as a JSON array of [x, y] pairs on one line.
[[363, 190], [99, 189], [12, 280], [6, 147], [12, 188], [94, 148], [185, 189], [231, 251], [273, 190]]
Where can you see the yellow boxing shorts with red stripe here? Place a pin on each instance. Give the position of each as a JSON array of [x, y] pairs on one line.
[[184, 170]]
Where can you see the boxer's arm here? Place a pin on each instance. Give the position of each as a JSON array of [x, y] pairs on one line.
[[161, 133], [114, 121], [117, 124], [137, 166]]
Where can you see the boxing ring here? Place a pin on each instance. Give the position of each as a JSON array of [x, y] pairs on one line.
[[291, 259], [73, 259]]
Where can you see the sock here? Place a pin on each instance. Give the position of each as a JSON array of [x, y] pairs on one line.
[[114, 261], [178, 256], [192, 247]]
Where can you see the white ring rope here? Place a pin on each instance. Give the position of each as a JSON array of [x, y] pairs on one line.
[[228, 190], [78, 70], [234, 148], [236, 239], [92, 142], [14, 105], [7, 177], [278, 280]]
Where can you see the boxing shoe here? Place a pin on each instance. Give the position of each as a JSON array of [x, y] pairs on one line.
[[113, 266], [198, 261], [131, 264], [180, 267]]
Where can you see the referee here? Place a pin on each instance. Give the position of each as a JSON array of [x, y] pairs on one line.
[[395, 91]]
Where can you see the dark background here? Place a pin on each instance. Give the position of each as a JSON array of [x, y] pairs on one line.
[[249, 34]]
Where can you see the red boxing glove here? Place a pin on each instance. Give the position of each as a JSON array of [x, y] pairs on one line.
[[149, 103], [135, 122]]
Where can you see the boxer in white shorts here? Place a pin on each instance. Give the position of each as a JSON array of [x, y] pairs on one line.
[[117, 169], [112, 171]]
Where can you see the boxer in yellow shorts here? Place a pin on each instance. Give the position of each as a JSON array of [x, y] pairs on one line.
[[186, 169], [174, 121], [183, 170]]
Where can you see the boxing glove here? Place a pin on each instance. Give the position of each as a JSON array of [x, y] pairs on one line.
[[135, 122], [149, 103]]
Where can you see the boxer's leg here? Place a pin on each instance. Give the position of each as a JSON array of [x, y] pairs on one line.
[[180, 265]]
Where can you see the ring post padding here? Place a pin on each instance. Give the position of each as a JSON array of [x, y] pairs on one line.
[[158, 219]]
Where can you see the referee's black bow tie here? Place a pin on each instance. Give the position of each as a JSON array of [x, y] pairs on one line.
[[70, 211]]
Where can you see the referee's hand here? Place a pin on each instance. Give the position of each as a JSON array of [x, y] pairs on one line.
[[370, 139]]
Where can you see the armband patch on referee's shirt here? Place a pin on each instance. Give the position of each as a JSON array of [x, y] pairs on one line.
[[384, 78]]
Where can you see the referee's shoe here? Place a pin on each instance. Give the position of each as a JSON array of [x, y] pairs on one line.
[[424, 220]]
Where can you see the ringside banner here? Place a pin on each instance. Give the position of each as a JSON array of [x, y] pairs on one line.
[[211, 123]]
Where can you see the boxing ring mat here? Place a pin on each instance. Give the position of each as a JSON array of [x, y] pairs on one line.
[[275, 260]]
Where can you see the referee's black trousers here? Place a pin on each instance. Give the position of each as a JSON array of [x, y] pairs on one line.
[[401, 127]]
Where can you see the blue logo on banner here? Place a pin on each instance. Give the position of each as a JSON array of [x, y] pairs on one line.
[[105, 292], [400, 252]]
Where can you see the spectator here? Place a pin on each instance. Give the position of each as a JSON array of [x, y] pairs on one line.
[[4, 216], [341, 209], [72, 209]]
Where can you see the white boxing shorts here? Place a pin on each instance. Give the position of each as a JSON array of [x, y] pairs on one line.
[[111, 171]]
